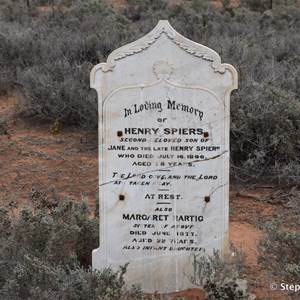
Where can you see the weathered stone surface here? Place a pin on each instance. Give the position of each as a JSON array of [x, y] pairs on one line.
[[163, 157]]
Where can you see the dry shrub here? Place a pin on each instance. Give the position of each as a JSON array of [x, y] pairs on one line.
[[279, 252], [60, 92], [45, 253], [220, 276], [3, 127]]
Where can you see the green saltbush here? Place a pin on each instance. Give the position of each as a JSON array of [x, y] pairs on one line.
[[220, 277], [58, 94], [281, 247], [45, 253]]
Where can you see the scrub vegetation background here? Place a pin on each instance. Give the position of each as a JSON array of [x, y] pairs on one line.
[[47, 49]]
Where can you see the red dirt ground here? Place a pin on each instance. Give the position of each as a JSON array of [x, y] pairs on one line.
[[37, 164]]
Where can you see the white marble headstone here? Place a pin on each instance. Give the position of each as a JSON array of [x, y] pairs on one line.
[[163, 157]]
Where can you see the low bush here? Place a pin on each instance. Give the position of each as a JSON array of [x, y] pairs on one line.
[[265, 134], [220, 277], [60, 92], [257, 5], [281, 247], [34, 279], [45, 253], [7, 81], [292, 205], [3, 127]]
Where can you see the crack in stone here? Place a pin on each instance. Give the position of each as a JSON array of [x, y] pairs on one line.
[[166, 168], [217, 188]]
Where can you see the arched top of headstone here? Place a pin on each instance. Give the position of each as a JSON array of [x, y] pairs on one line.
[[164, 28]]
